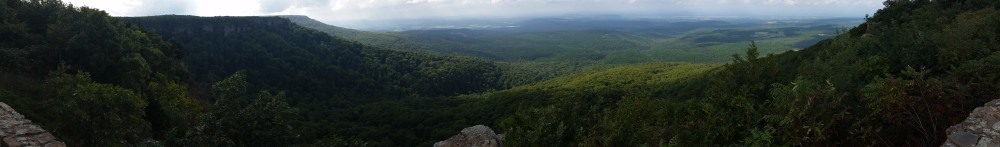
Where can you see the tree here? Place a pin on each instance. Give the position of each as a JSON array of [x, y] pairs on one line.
[[95, 114], [239, 119], [170, 109]]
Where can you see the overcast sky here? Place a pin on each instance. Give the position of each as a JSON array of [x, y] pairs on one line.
[[338, 11]]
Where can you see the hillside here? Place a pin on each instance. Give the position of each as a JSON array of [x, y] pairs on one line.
[[569, 100], [543, 48], [380, 40], [898, 79], [325, 77], [88, 78], [893, 81], [307, 63], [603, 40], [125, 85]]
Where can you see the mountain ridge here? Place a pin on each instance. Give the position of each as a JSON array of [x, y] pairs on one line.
[[898, 79]]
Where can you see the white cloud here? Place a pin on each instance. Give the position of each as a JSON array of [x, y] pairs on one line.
[[348, 10]]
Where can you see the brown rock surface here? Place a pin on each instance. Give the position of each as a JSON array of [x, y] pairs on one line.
[[475, 136], [16, 131]]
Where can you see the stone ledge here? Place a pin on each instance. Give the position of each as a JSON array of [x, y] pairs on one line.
[[475, 136], [980, 129], [15, 131]]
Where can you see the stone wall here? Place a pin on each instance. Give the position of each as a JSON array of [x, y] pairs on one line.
[[16, 131]]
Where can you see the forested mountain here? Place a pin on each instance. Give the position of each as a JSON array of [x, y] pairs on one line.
[[603, 39], [898, 79], [515, 73], [91, 79], [325, 77], [121, 85], [542, 48], [375, 39], [311, 64]]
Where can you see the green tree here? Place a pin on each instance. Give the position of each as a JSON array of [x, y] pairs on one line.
[[536, 127], [94, 114], [241, 119], [171, 109]]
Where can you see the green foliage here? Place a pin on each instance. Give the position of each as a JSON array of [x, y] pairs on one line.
[[637, 120], [241, 119], [96, 114], [619, 106], [537, 52], [747, 76], [890, 102], [44, 33], [338, 141], [972, 35], [374, 39], [907, 102], [899, 79], [805, 112], [232, 90], [330, 79], [537, 127], [126, 86], [760, 138], [979, 71], [523, 73], [171, 109], [573, 40], [311, 65]]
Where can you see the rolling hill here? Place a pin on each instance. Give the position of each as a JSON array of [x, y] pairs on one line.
[[897, 79]]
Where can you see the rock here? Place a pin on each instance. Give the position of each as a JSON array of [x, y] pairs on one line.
[[986, 142], [15, 131], [872, 29], [475, 136], [963, 138], [980, 129]]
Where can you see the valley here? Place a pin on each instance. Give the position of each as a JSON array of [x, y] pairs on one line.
[[900, 77], [605, 39]]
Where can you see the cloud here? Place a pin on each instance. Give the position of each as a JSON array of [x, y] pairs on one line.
[[271, 6], [137, 7], [161, 7], [353, 10]]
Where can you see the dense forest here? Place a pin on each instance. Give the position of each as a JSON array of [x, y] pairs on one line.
[[602, 39], [307, 63], [898, 79], [169, 79], [324, 76]]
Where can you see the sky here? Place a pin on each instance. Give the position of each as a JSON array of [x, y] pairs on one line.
[[346, 11]]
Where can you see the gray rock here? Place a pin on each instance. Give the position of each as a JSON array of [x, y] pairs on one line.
[[980, 129], [985, 142], [963, 139], [15, 131], [475, 136]]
